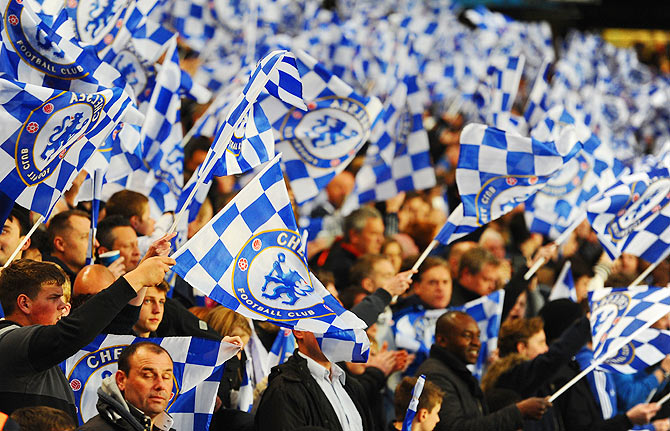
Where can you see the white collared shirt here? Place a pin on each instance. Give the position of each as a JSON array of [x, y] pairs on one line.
[[332, 385]]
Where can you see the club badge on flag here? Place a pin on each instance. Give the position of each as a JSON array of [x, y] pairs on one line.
[[249, 259], [198, 365], [647, 349]]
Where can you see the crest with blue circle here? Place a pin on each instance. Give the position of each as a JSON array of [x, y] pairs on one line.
[[501, 194], [271, 278], [51, 130], [605, 313], [329, 133], [97, 22], [36, 47], [132, 70], [569, 178]]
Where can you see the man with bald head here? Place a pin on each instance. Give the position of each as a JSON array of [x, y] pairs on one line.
[[464, 407]]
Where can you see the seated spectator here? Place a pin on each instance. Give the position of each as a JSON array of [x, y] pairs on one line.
[[427, 411], [68, 241], [116, 233], [136, 396], [363, 233], [42, 418], [35, 337], [309, 390], [151, 312], [463, 406], [15, 229]]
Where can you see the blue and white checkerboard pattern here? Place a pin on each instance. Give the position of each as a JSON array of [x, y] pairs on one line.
[[538, 100], [193, 20], [647, 349], [94, 76], [398, 157], [626, 219], [493, 162], [487, 312], [282, 348], [619, 314], [206, 260], [565, 284], [413, 404], [318, 84], [19, 100], [198, 366]]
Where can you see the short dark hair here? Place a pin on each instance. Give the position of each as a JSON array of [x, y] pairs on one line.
[[43, 418], [357, 219], [474, 260], [431, 396], [198, 143], [25, 276], [128, 352], [444, 324], [126, 203], [105, 228], [429, 263], [363, 267], [22, 217], [515, 331], [60, 223]]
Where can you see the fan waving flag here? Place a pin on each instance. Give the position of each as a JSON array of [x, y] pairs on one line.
[[198, 366], [646, 349], [498, 170], [633, 215], [249, 259], [565, 284], [320, 141], [48, 136], [618, 315]]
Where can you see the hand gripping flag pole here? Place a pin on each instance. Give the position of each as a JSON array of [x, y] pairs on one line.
[[413, 404]]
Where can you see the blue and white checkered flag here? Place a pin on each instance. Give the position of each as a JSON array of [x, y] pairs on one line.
[[497, 171], [320, 141], [247, 259], [198, 365], [282, 347], [618, 315], [565, 284], [633, 215], [49, 135], [646, 349], [413, 404], [398, 157], [415, 331], [538, 100], [487, 312], [34, 53]]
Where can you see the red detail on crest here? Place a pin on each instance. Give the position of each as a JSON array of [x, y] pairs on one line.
[[13, 20], [584, 165], [256, 244], [119, 23], [63, 152], [72, 3], [243, 264], [334, 162], [575, 181], [636, 196], [620, 213], [297, 115], [311, 105], [48, 108], [511, 181], [532, 180], [656, 209], [32, 127], [75, 385], [109, 39], [19, 1]]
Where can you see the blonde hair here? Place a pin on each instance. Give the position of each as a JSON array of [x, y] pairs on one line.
[[223, 320]]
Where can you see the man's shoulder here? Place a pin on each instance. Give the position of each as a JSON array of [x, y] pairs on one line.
[[98, 423]]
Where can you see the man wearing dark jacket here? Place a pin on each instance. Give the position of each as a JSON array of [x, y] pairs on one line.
[[310, 391], [34, 338], [463, 407], [136, 396]]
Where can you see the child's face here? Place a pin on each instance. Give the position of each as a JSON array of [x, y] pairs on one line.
[[145, 226]]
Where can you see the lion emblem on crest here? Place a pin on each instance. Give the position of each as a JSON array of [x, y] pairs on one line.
[[288, 283]]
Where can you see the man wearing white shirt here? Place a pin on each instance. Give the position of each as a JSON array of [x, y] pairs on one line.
[[309, 390]]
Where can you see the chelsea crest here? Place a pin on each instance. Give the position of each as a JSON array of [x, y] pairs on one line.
[[270, 277]]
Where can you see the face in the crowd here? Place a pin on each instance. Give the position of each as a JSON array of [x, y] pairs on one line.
[[463, 341], [145, 225], [148, 385], [536, 345], [382, 272], [10, 237], [519, 309], [393, 251], [582, 287], [370, 238], [75, 242], [47, 307], [434, 287], [339, 188], [151, 312], [125, 240], [663, 323], [482, 283], [432, 419]]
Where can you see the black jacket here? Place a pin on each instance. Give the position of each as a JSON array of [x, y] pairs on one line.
[[293, 399], [463, 405]]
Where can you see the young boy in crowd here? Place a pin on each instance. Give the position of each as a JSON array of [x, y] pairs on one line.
[[427, 412], [135, 207]]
